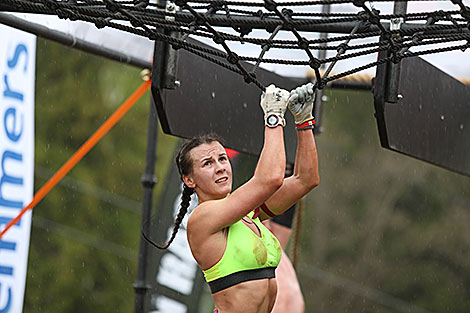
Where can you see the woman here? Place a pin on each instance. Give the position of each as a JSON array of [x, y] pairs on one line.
[[236, 252]]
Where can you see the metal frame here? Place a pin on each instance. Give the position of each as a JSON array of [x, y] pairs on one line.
[[71, 41], [220, 20]]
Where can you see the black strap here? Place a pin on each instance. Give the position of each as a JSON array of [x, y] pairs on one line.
[[239, 277]]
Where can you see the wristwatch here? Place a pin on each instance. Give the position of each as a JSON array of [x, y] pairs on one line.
[[274, 120]]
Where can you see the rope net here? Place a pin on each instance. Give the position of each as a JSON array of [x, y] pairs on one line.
[[291, 33]]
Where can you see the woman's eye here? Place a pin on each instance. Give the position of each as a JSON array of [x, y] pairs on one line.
[[223, 159], [207, 163]]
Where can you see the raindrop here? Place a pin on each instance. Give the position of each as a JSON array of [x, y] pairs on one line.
[[442, 117], [461, 127], [245, 105], [213, 95]]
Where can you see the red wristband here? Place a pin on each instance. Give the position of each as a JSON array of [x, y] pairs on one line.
[[306, 125]]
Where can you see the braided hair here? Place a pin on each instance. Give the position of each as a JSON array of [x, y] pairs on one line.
[[184, 164]]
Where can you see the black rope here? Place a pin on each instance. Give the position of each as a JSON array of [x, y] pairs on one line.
[[218, 19]]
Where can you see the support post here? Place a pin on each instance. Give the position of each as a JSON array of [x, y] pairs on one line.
[[391, 92], [318, 105], [162, 77], [141, 286]]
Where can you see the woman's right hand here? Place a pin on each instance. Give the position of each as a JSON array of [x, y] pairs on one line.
[[274, 100]]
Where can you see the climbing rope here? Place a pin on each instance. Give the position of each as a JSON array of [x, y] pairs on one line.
[[236, 26]]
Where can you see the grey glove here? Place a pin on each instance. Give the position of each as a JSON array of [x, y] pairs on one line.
[[301, 105], [274, 102]]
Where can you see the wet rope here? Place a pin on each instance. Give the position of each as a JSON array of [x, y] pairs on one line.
[[231, 22]]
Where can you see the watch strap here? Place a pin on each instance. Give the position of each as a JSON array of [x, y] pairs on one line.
[[280, 120]]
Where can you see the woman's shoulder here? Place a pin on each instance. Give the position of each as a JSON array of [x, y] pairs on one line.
[[209, 204], [204, 210], [203, 224]]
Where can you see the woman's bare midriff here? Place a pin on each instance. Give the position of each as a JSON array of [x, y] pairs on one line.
[[256, 296]]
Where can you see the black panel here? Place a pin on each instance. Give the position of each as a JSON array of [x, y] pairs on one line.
[[214, 99], [431, 121]]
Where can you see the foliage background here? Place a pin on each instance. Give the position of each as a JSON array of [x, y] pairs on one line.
[[382, 233], [85, 235]]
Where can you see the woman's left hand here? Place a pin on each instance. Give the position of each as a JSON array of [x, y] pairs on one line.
[[301, 103]]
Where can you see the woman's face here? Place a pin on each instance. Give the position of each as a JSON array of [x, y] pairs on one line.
[[211, 175]]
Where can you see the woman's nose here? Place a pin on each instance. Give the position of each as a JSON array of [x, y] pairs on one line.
[[219, 167]]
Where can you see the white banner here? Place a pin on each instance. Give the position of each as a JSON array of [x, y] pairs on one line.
[[17, 75]]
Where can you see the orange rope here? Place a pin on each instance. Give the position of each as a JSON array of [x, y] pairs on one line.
[[81, 152]]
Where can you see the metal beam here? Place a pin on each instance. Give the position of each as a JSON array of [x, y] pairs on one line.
[[71, 41], [221, 20]]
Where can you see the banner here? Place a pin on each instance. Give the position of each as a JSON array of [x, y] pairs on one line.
[[17, 74]]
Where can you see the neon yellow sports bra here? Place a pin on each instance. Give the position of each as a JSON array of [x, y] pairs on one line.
[[247, 256]]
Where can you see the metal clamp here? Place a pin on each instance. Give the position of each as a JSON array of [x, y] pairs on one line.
[[171, 7], [395, 23]]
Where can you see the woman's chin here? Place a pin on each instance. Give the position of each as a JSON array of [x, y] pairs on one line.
[[224, 192]]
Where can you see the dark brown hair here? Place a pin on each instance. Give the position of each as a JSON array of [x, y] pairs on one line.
[[185, 167], [183, 158]]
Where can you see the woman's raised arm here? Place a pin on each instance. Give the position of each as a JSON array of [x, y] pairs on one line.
[[268, 175], [305, 176]]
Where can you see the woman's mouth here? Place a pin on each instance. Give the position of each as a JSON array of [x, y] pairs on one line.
[[221, 180]]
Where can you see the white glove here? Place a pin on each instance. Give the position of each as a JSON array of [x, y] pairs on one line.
[[274, 100], [301, 105]]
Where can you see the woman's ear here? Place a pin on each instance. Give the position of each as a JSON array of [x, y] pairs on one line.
[[188, 180]]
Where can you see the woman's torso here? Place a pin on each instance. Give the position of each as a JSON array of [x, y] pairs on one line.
[[242, 257], [256, 296]]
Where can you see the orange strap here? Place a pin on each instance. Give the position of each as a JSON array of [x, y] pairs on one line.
[[81, 152]]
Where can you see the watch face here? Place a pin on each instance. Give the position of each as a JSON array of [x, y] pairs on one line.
[[272, 120]]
